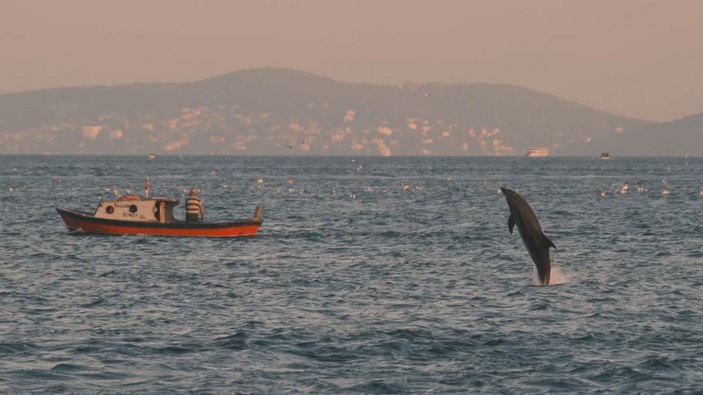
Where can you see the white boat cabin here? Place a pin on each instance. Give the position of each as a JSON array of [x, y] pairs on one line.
[[137, 208]]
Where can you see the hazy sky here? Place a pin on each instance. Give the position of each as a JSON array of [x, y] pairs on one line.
[[638, 58]]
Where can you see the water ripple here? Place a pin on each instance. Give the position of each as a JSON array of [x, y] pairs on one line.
[[353, 284]]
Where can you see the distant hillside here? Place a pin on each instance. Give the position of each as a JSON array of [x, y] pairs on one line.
[[284, 112], [677, 138]]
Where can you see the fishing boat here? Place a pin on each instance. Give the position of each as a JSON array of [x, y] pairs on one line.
[[604, 156], [138, 215]]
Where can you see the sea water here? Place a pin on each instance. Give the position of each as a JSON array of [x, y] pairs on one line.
[[369, 275]]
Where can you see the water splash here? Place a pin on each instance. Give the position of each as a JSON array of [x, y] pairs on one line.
[[556, 277]]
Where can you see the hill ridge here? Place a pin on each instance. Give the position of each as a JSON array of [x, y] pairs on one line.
[[272, 111]]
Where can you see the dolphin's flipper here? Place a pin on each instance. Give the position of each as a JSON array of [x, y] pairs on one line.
[[548, 242], [511, 223]]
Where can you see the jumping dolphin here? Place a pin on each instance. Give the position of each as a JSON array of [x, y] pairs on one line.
[[537, 243]]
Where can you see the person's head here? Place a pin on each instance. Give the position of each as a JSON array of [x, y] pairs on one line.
[[193, 191]]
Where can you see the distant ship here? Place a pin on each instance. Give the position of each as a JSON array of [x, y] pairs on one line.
[[537, 152], [152, 156], [605, 156]]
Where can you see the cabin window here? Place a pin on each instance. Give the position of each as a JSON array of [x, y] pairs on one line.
[[109, 209], [133, 208]]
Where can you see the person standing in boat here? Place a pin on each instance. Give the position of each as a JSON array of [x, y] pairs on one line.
[[194, 207]]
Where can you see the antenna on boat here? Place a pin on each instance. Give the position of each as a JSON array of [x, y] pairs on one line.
[[146, 187]]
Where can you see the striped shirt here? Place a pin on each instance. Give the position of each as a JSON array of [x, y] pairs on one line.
[[193, 205]]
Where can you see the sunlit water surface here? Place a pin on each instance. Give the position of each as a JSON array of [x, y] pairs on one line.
[[369, 275]]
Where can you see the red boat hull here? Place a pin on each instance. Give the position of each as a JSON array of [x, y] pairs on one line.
[[78, 221]]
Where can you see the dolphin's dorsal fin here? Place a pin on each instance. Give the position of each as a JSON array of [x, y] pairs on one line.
[[511, 223], [548, 242]]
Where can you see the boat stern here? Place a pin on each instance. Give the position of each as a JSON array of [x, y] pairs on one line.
[[259, 213]]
